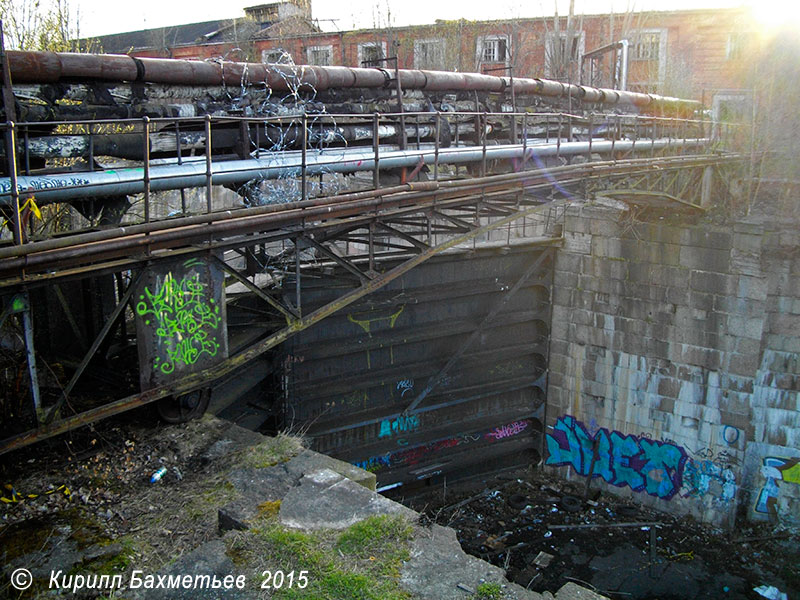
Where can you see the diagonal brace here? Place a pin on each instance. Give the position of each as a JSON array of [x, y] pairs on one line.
[[286, 312], [435, 379], [330, 254], [112, 319]]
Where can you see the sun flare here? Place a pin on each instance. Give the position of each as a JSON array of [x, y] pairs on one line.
[[776, 14]]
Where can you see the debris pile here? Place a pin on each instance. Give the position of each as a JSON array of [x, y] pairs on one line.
[[545, 533]]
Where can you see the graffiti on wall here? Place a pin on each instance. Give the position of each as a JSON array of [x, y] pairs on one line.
[[417, 454], [401, 424], [366, 319], [184, 318], [705, 478], [641, 464], [776, 469]]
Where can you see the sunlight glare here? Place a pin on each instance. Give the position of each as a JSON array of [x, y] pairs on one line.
[[775, 14]]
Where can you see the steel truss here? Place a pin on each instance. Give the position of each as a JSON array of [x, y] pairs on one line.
[[410, 223]]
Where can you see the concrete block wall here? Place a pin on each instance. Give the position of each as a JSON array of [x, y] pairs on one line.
[[673, 363]]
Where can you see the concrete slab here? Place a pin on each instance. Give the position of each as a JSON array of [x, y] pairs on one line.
[[338, 503]]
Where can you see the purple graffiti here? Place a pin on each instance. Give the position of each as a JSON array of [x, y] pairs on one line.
[[509, 430], [643, 465], [416, 454]]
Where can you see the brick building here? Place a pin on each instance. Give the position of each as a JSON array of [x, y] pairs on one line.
[[685, 53]]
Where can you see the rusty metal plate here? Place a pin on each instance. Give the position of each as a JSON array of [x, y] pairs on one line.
[[180, 320]]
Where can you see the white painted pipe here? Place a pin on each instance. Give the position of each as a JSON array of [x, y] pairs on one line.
[[115, 182]]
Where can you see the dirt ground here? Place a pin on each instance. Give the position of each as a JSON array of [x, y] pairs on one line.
[[518, 521], [521, 521]]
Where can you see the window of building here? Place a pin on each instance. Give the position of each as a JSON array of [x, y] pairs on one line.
[[276, 55], [493, 49], [429, 54], [735, 47], [320, 55], [371, 53], [648, 60], [647, 45], [562, 56]]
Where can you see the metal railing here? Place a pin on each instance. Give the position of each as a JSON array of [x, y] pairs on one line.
[[298, 146]]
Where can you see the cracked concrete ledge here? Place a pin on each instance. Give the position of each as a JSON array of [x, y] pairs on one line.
[[317, 492]]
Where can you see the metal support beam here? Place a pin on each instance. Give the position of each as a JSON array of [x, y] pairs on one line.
[[202, 378], [435, 379], [285, 311], [109, 324], [342, 262], [33, 375]]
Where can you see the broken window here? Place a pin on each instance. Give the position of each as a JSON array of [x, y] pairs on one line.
[[429, 54], [647, 46], [737, 41], [276, 55], [371, 54], [562, 53], [321, 56], [493, 49]]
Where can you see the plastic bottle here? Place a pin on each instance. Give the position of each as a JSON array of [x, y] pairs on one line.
[[158, 474]]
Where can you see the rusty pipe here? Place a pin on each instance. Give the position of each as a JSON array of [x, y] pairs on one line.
[[52, 67]]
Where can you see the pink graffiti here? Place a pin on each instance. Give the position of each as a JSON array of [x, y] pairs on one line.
[[508, 430]]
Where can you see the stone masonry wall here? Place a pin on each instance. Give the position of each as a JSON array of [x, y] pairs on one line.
[[674, 363]]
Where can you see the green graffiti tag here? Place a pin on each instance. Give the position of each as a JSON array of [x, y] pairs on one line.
[[184, 319]]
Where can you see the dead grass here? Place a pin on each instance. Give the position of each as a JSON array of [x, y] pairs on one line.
[[272, 451]]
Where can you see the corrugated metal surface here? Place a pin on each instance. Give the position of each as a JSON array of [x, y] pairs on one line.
[[349, 379]]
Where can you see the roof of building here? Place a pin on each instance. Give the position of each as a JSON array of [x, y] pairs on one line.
[[176, 35]]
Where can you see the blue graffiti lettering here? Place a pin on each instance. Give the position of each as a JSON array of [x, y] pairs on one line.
[[400, 424], [622, 460]]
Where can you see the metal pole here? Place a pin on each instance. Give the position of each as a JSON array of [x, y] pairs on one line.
[[483, 121], [304, 157], [297, 278], [208, 163], [11, 154], [27, 323], [438, 122], [146, 155], [375, 173]]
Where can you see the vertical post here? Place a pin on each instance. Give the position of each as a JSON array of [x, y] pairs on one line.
[[28, 153], [558, 139], [146, 163], [591, 134], [429, 229], [375, 144], [371, 247], [208, 163], [525, 137], [178, 144], [614, 137], [483, 121], [91, 146], [11, 155], [27, 324], [297, 277], [437, 127], [304, 157]]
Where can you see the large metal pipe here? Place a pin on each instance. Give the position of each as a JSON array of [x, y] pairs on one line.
[[74, 186], [52, 67]]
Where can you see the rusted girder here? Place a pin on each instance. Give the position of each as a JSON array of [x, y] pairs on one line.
[[206, 376]]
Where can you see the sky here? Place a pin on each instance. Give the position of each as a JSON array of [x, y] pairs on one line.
[[99, 17]]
